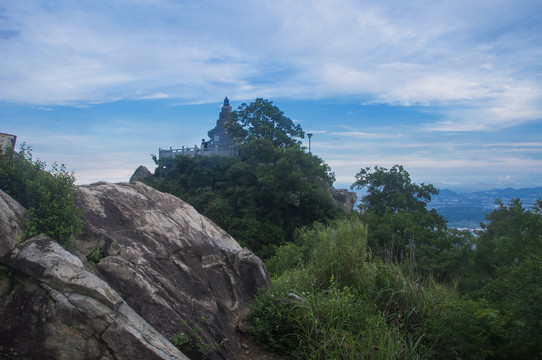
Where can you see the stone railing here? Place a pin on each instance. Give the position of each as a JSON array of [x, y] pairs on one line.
[[197, 151]]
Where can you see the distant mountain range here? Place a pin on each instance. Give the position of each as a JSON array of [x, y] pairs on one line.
[[466, 210]]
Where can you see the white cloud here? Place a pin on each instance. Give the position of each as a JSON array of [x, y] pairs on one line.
[[479, 60], [367, 135], [158, 95]]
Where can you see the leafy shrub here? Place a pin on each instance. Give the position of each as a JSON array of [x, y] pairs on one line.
[[275, 321], [96, 255], [49, 196], [340, 252], [287, 256], [342, 304], [516, 317], [331, 324]]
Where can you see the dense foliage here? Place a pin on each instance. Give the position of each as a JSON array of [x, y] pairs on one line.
[[390, 282], [342, 304], [49, 196], [400, 225], [262, 196], [337, 295], [261, 120]]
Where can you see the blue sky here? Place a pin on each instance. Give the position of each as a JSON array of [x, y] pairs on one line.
[[452, 90]]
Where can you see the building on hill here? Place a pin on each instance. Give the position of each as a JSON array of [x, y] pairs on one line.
[[344, 199], [220, 137], [7, 140], [221, 144]]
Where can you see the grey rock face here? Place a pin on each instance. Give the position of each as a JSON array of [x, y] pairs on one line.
[[52, 308], [175, 267], [344, 198], [13, 218], [159, 270], [140, 174]]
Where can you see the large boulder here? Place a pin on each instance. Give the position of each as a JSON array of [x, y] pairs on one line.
[[183, 274], [140, 174], [52, 308], [150, 273], [13, 218]]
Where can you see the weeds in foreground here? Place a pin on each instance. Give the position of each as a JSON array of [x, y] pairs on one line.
[[341, 304]]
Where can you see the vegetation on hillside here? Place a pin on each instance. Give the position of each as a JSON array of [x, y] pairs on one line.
[[344, 304], [340, 293], [49, 196], [392, 281], [262, 196], [402, 229]]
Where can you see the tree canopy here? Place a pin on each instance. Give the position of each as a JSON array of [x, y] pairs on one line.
[[262, 196], [263, 120], [392, 190], [395, 210], [512, 236]]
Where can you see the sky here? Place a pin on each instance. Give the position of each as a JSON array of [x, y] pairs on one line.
[[450, 89]]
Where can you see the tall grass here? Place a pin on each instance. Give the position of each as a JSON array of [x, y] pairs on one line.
[[339, 254], [342, 304]]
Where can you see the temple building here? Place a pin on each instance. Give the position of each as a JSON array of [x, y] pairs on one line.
[[221, 144], [220, 137]]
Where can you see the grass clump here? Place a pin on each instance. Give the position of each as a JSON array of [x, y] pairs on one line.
[[342, 304]]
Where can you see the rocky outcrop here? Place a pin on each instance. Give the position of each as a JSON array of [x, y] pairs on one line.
[[151, 271], [140, 174], [53, 308], [13, 218], [344, 199]]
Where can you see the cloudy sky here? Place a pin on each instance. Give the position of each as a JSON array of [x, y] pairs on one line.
[[450, 89]]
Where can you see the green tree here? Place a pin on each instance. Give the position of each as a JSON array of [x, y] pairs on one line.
[[391, 191], [448, 257], [395, 210], [507, 272], [49, 196], [515, 309], [263, 120], [512, 235], [262, 196]]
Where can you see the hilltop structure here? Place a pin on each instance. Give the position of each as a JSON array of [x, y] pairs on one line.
[[221, 144], [220, 137], [7, 140]]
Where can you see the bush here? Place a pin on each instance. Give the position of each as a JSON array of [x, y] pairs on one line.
[[49, 196], [340, 252], [275, 318], [342, 304], [337, 323], [516, 317]]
